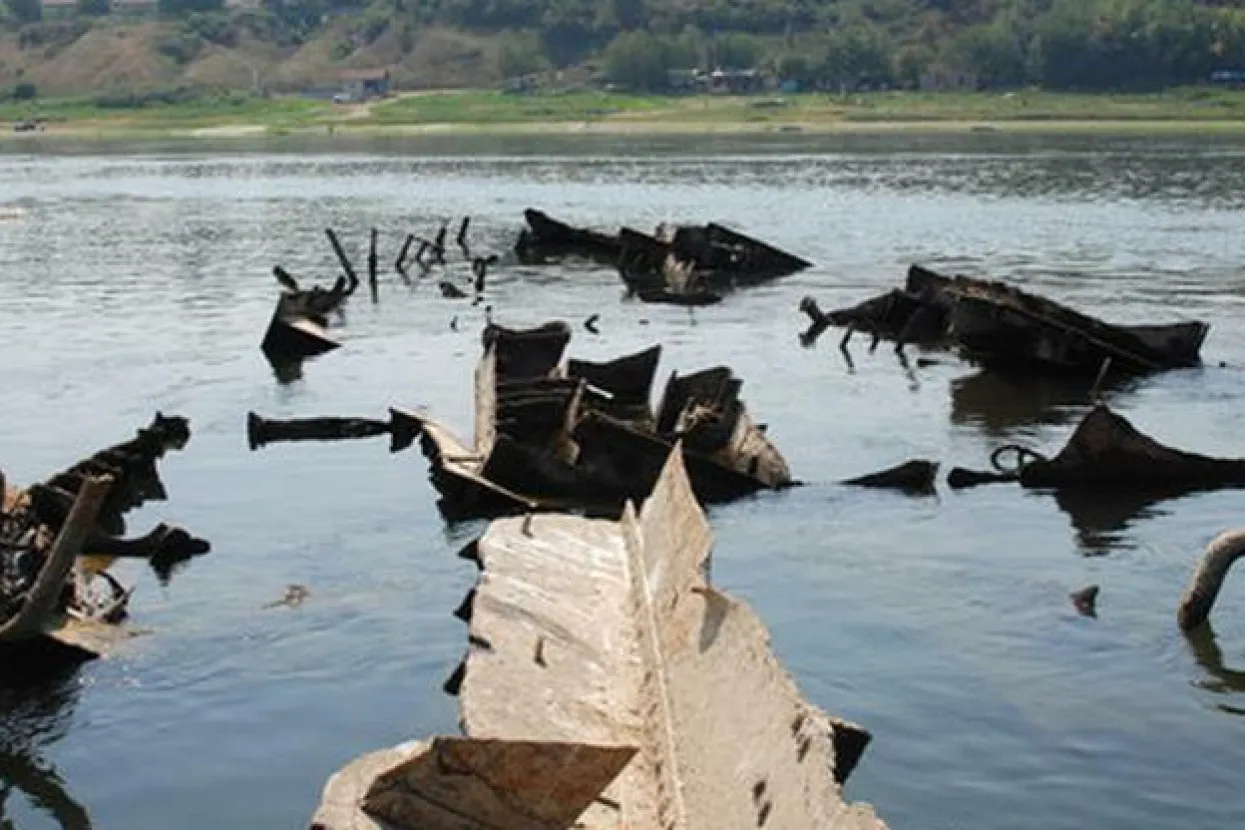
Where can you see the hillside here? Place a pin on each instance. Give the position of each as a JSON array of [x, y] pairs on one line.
[[115, 56], [59, 47]]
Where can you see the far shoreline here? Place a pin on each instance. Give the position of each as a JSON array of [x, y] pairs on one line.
[[1187, 111], [636, 128]]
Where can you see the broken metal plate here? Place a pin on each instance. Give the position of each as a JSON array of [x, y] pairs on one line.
[[602, 638]]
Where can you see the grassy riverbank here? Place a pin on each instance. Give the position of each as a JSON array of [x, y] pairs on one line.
[[1188, 110]]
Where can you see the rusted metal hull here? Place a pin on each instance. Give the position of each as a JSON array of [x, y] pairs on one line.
[[733, 258], [692, 299], [653, 272], [997, 328], [1107, 473], [41, 611], [995, 323], [616, 461], [37, 522], [999, 325], [1107, 451], [626, 461], [547, 439], [693, 265], [916, 313], [886, 315], [526, 353], [295, 338], [609, 685], [619, 387], [401, 428], [547, 238], [457, 474]]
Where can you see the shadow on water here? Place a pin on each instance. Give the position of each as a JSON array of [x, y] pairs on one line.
[[38, 692], [998, 402], [1221, 679]]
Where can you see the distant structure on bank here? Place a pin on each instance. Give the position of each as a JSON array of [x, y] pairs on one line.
[[364, 84]]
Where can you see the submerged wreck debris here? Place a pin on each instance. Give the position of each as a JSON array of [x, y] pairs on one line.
[[682, 265], [916, 477], [996, 324], [42, 594], [715, 255], [607, 684], [1208, 577], [352, 278], [299, 325], [1106, 454], [693, 265], [432, 252], [62, 535], [402, 428], [1108, 451], [669, 281], [292, 598], [132, 464], [373, 264], [584, 435], [399, 264], [293, 336], [132, 467], [1085, 601], [546, 238], [728, 455], [916, 313], [728, 257]]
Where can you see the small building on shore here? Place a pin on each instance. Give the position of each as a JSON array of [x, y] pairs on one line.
[[687, 81], [1231, 78], [365, 84], [736, 81]]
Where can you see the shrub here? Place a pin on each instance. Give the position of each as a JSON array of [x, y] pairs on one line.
[[141, 99], [214, 28], [181, 48]]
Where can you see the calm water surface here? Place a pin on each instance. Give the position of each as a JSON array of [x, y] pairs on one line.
[[137, 281]]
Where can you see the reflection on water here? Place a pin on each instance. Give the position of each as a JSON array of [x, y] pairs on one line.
[[38, 692], [1102, 519], [286, 371], [1206, 651], [998, 403]]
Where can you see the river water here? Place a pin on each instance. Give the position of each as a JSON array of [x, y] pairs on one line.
[[138, 280]]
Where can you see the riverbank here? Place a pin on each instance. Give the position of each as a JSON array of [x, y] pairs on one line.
[[1180, 110]]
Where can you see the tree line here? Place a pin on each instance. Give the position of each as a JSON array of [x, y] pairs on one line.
[[1058, 44]]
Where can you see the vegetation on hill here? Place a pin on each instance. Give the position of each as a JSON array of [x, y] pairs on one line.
[[284, 45]]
